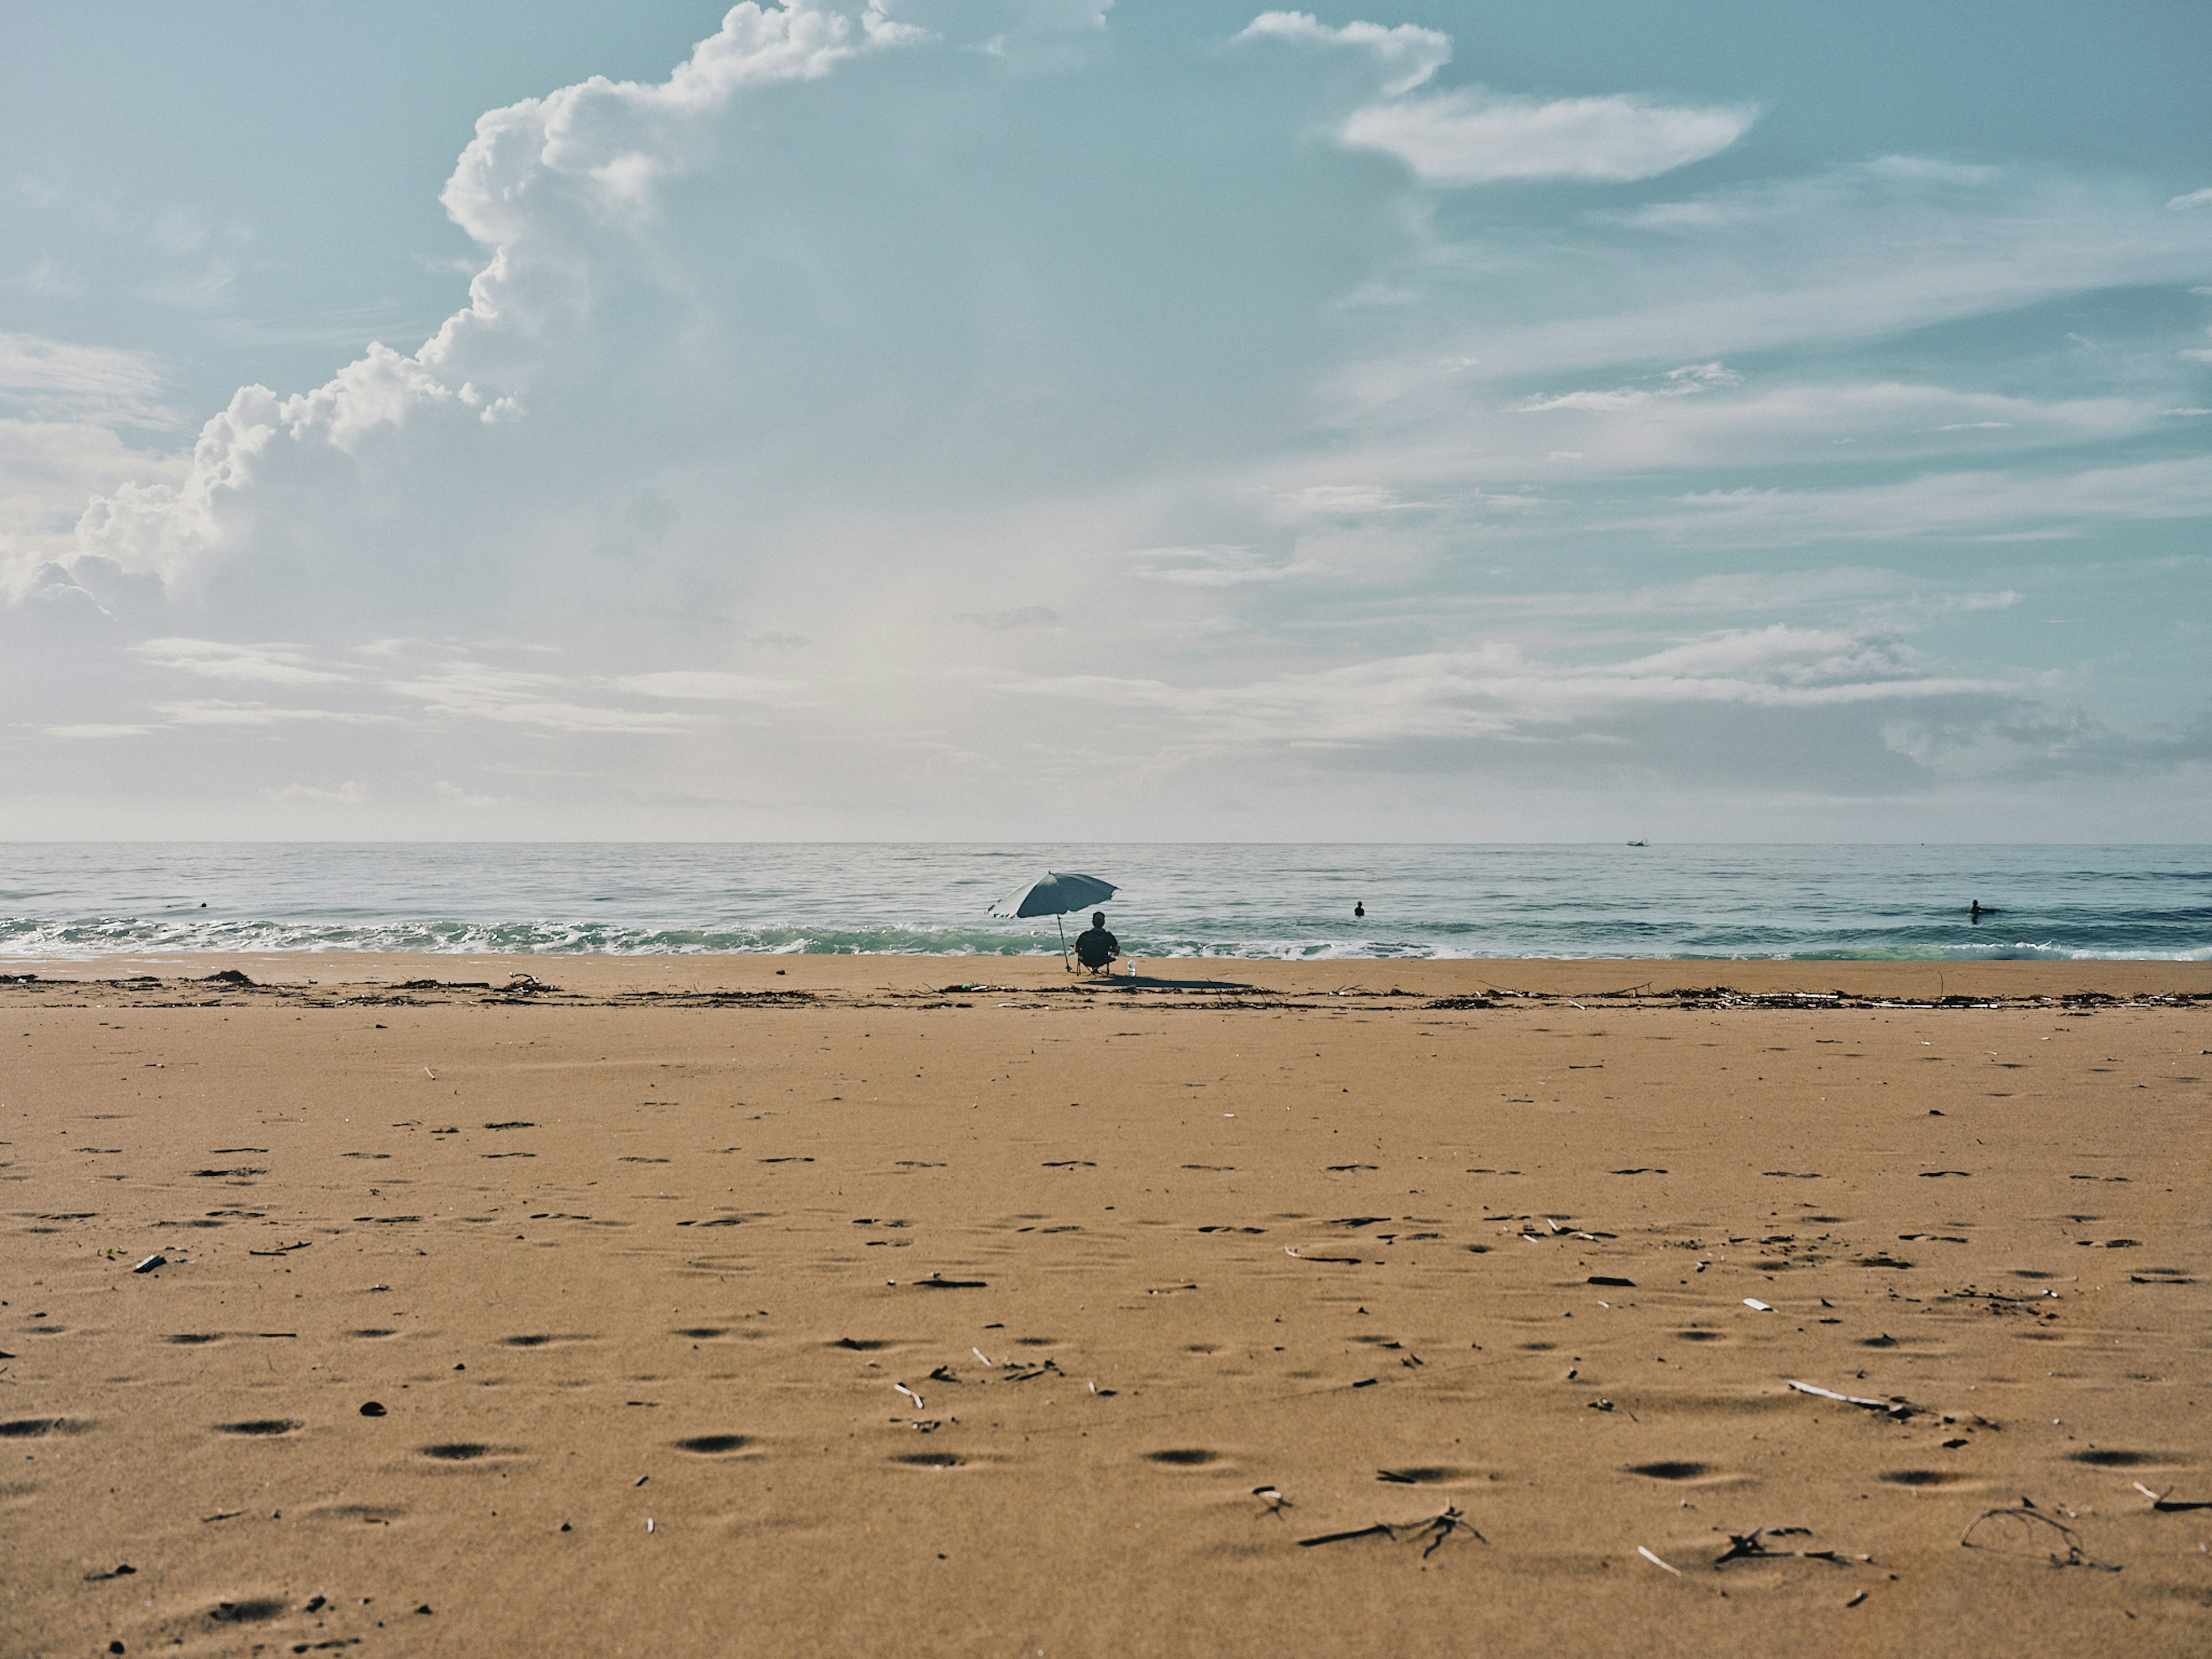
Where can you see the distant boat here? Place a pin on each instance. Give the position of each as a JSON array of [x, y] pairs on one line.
[[1639, 843]]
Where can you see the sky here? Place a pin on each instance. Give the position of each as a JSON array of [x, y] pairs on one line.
[[1106, 420]]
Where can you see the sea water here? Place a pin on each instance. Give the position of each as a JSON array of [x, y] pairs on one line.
[[1290, 902]]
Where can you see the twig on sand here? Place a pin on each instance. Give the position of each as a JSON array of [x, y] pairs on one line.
[[1753, 1543], [2166, 1505], [1897, 1409], [1436, 1529], [2028, 1531]]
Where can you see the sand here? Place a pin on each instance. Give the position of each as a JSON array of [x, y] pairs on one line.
[[695, 1307]]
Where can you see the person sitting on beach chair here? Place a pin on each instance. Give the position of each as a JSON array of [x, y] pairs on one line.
[[1097, 947]]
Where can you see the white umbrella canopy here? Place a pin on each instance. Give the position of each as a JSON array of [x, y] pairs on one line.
[[1054, 894]]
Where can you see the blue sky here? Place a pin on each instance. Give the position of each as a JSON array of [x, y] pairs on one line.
[[1038, 419]]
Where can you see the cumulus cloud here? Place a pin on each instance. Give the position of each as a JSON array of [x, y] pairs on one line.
[[1475, 137], [48, 471], [539, 178]]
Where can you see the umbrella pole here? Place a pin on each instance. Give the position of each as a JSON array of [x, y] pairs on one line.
[[1061, 924]]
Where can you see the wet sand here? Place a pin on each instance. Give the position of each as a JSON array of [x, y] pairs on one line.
[[947, 1306]]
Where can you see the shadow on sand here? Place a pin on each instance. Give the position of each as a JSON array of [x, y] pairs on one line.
[[1148, 982]]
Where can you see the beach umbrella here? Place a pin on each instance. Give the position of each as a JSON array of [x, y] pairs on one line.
[[1054, 894]]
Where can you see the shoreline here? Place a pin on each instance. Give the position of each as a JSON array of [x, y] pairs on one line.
[[1617, 978]]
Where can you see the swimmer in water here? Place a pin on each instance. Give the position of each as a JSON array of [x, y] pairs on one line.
[[1358, 910]]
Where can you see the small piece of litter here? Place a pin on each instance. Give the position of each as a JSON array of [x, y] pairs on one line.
[[1841, 1399], [978, 1353], [1656, 1562], [640, 1481], [1856, 1600], [649, 1523], [156, 1259], [911, 1395], [1756, 1305]]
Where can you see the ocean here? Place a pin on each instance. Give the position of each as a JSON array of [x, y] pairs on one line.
[[1292, 902]]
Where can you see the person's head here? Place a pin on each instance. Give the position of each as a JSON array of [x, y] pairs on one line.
[[1098, 918]]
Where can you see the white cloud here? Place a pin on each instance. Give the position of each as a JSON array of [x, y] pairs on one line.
[[2195, 199], [349, 793], [48, 469], [537, 174], [705, 685], [453, 795], [1473, 136], [278, 664], [57, 381], [214, 711], [1858, 253], [474, 690], [1637, 427], [1216, 567], [1675, 383], [1497, 689], [1971, 505], [1407, 54], [96, 730]]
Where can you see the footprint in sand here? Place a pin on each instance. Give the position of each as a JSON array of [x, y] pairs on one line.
[[375, 1515], [931, 1461], [34, 1428], [1191, 1457], [542, 1340], [2098, 1457], [259, 1426], [1677, 1469], [1421, 1474], [713, 1445], [245, 1613], [458, 1451]]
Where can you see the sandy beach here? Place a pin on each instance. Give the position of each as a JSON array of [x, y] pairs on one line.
[[799, 1305]]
